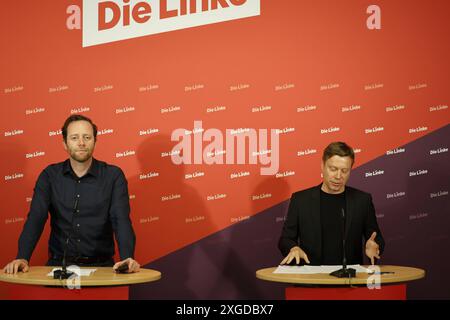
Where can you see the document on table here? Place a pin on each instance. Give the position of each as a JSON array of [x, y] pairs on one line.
[[80, 272], [318, 269]]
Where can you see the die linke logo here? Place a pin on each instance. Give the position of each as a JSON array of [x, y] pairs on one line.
[[108, 21]]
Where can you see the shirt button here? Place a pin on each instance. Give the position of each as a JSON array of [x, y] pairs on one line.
[[78, 225], [78, 195], [79, 240], [79, 181], [78, 211]]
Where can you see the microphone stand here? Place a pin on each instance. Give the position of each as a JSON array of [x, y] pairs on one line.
[[64, 273], [344, 272]]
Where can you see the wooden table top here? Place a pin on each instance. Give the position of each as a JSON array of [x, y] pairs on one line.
[[401, 274], [103, 276]]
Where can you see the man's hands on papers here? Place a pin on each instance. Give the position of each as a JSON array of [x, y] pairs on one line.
[[295, 253]]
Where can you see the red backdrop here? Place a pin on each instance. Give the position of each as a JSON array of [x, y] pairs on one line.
[[317, 55]]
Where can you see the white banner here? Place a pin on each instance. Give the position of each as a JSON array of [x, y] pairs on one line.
[[108, 21]]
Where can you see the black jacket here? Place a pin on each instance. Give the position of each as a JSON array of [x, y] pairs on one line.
[[303, 227]]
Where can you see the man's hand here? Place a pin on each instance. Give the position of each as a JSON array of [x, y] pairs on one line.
[[133, 265], [372, 248], [15, 266], [296, 253]]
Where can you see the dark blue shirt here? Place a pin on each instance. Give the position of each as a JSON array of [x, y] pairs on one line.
[[86, 210]]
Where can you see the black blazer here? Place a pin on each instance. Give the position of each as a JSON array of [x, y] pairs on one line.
[[303, 227]]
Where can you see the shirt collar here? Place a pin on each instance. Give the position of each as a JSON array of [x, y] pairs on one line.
[[93, 169]]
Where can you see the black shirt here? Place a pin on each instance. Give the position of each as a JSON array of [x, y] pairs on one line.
[[86, 210], [331, 206]]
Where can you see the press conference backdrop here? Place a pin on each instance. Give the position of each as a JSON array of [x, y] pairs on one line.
[[175, 87]]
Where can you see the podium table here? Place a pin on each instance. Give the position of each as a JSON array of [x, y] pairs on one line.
[[104, 283], [390, 286]]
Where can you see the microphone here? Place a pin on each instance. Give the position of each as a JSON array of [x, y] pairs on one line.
[[344, 272], [64, 273]]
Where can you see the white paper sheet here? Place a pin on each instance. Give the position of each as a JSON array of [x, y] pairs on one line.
[[80, 272], [317, 269]]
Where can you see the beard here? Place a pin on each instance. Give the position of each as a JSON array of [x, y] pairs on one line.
[[81, 156]]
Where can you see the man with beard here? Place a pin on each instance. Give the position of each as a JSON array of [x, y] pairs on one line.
[[88, 204], [313, 228]]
